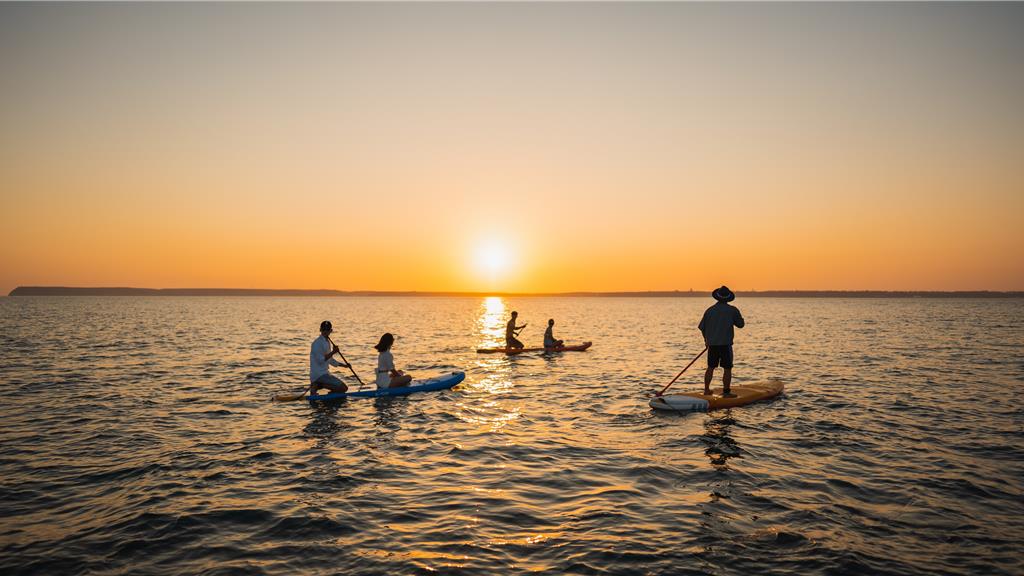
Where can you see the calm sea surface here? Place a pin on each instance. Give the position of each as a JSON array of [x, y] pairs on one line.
[[137, 436]]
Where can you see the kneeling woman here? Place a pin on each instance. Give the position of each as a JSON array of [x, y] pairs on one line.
[[387, 376]]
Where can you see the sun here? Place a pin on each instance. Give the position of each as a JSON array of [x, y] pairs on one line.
[[492, 258]]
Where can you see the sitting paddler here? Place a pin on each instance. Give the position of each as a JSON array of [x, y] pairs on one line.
[[549, 338], [511, 331], [320, 358], [387, 376], [717, 328]]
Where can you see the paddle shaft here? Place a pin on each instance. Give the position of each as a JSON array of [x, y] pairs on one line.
[[358, 379], [683, 370]]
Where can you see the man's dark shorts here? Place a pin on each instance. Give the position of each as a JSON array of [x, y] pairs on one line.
[[332, 383], [720, 356]]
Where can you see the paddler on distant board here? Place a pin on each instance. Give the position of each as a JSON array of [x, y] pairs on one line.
[[549, 338], [321, 354], [717, 328], [511, 331]]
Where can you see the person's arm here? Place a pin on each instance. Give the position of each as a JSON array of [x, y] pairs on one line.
[[391, 366], [327, 355], [737, 320]]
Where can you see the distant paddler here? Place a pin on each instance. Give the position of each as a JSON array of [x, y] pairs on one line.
[[321, 356], [511, 331], [549, 337], [717, 328]]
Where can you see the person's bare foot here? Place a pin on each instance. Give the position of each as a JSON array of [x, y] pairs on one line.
[[728, 395]]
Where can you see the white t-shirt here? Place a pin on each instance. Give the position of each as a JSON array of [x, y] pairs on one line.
[[385, 364], [317, 364]]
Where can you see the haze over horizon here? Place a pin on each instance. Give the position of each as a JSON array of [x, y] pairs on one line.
[[513, 147]]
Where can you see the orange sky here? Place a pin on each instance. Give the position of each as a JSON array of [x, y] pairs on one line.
[[599, 146]]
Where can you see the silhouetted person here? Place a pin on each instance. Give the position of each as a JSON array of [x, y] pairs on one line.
[[320, 355], [511, 331], [549, 338], [717, 328], [387, 376]]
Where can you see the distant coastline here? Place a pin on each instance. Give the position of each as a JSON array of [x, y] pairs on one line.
[[101, 291]]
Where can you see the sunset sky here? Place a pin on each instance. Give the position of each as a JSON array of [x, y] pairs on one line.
[[514, 147]]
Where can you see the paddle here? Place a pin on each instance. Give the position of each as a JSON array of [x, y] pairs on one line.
[[358, 379], [290, 397], [681, 371]]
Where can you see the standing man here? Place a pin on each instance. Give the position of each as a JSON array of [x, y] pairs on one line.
[[511, 331], [320, 355], [717, 328]]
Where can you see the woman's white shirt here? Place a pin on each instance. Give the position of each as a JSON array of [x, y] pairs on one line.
[[385, 364]]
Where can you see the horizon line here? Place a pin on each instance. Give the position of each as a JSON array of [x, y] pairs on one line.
[[131, 291]]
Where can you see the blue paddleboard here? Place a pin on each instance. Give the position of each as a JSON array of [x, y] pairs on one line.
[[442, 382]]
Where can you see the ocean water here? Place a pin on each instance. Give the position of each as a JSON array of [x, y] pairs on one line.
[[137, 437]]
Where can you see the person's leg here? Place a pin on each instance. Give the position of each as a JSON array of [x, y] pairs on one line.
[[516, 343], [332, 383], [316, 385], [400, 381], [727, 366], [713, 361]]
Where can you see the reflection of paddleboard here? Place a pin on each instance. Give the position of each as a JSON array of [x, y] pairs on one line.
[[439, 383], [697, 402], [572, 348]]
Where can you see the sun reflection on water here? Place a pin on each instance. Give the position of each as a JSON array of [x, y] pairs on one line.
[[491, 322], [489, 413], [491, 416], [497, 370]]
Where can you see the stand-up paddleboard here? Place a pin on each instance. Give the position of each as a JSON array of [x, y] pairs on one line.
[[697, 402], [443, 382], [572, 348]]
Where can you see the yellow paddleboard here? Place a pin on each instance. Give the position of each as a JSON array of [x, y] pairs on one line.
[[698, 402]]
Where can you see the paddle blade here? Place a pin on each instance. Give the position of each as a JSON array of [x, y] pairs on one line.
[[289, 397]]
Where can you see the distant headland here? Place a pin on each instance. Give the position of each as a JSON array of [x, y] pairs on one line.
[[100, 291]]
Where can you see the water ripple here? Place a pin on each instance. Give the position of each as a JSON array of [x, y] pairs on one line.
[[153, 448]]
